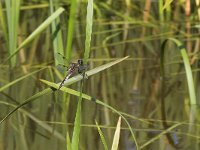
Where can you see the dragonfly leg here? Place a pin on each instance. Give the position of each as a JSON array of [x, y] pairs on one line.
[[85, 76]]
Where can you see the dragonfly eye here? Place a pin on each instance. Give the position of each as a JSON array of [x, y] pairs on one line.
[[80, 62]]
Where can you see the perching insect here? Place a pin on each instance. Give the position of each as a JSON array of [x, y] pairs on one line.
[[79, 66]]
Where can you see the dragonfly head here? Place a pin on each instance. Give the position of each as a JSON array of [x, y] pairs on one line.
[[80, 62]]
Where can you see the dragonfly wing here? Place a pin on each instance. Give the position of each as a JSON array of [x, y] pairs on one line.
[[62, 59], [63, 63], [61, 68]]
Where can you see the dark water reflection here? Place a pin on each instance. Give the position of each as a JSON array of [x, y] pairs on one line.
[[181, 134]]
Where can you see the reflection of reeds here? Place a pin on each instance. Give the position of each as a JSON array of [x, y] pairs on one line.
[[190, 83], [34, 33]]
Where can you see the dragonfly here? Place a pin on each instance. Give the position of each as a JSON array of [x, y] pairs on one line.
[[78, 67]]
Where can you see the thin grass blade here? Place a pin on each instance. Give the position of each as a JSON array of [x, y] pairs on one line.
[[57, 35], [12, 12], [3, 24], [19, 79], [116, 136], [70, 30], [77, 125], [35, 33], [89, 21], [68, 142], [39, 122], [188, 69], [27, 101], [102, 136], [161, 134]]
